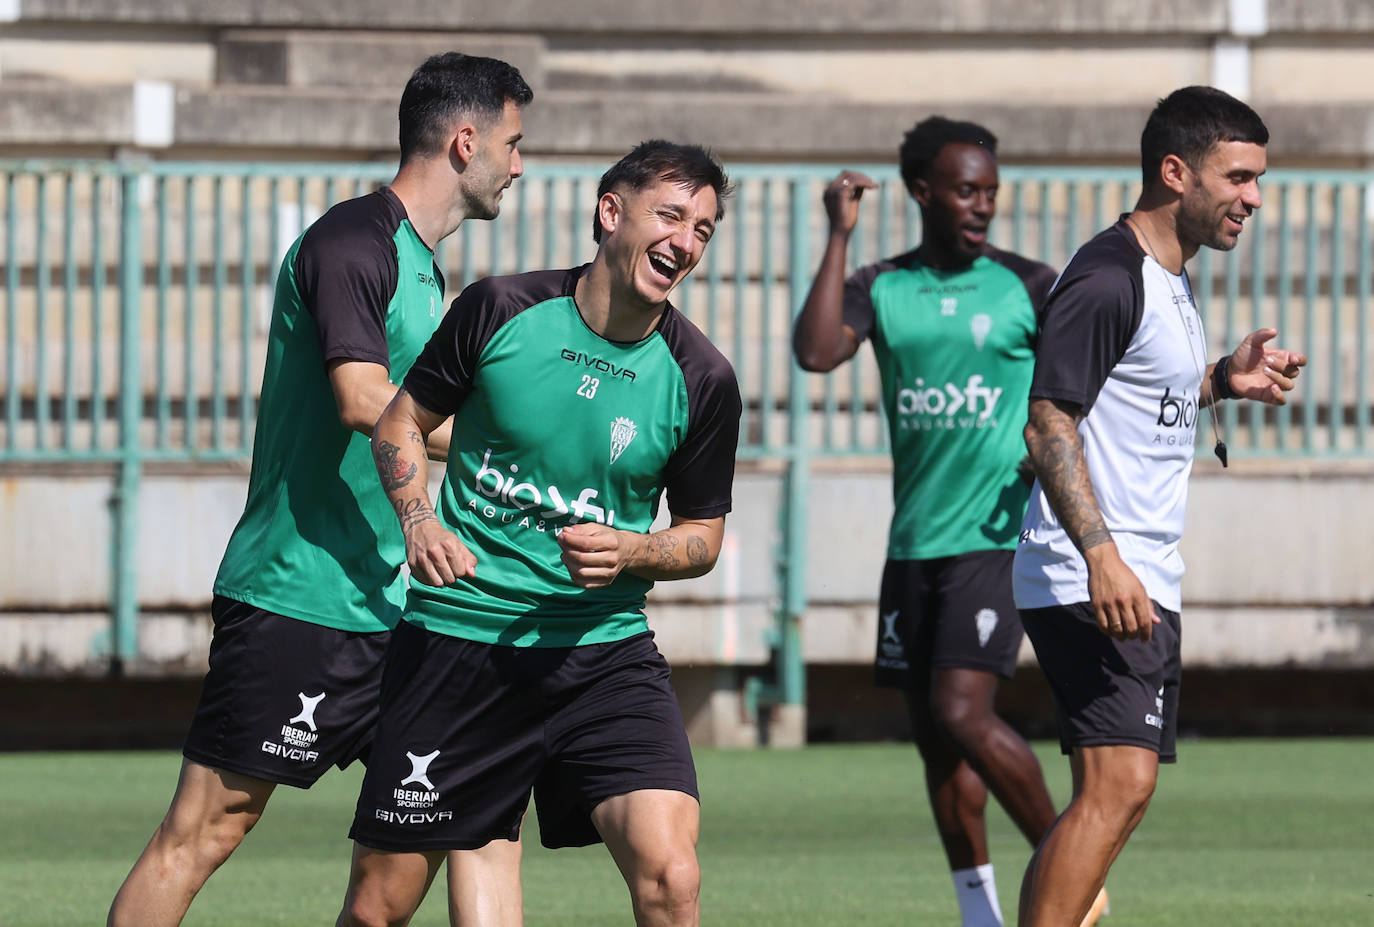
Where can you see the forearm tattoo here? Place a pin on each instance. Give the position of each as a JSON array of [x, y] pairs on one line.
[[395, 472], [697, 551], [413, 512], [1063, 473], [663, 548]]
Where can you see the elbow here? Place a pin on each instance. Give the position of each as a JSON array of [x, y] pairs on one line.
[[811, 360], [357, 420]]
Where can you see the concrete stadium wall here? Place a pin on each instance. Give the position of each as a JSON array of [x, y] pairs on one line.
[[1276, 552], [1276, 578], [1068, 81]]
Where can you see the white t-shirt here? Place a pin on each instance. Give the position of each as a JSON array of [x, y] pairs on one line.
[[1121, 338]]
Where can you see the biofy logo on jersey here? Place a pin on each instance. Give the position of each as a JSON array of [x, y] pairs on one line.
[[524, 502], [950, 406], [1176, 410]]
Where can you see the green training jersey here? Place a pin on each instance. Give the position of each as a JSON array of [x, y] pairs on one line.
[[553, 424], [955, 352], [318, 540]]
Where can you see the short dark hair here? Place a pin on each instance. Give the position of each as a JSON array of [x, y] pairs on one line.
[[690, 165], [1189, 122], [922, 145], [451, 85]]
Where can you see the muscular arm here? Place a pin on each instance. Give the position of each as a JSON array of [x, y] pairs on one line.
[[821, 341], [1056, 454], [1122, 606], [362, 390], [595, 554], [435, 555]]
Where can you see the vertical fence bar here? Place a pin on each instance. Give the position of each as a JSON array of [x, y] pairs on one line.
[[1309, 289], [741, 296], [1258, 291], [550, 222], [765, 316], [1099, 194], [1284, 413], [1337, 290], [190, 282], [97, 307], [1071, 240], [11, 313], [791, 662], [247, 275], [1046, 225], [219, 280], [164, 282], [1362, 323], [1018, 217], [1229, 337], [274, 242], [522, 230], [125, 503], [43, 271], [70, 282]]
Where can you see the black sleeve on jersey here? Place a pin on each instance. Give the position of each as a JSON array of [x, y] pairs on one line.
[[699, 474], [859, 313], [1036, 277], [1089, 320], [442, 376], [346, 270], [858, 301]]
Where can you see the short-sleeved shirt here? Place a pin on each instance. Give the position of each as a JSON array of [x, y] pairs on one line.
[[318, 540], [955, 351], [553, 424], [1122, 340]]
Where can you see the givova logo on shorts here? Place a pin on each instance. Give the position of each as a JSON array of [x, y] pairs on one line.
[[297, 743], [414, 805]]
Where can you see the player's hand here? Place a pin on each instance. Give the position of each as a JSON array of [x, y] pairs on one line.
[[435, 555], [1263, 373], [1123, 607], [593, 553], [841, 199]]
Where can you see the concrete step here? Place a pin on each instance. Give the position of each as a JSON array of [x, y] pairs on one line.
[[342, 123], [300, 58], [727, 17]]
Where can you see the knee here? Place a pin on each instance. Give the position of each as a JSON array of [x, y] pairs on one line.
[[672, 885], [962, 717], [366, 909], [208, 843], [1126, 787]]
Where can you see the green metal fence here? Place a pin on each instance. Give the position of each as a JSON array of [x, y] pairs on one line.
[[137, 296]]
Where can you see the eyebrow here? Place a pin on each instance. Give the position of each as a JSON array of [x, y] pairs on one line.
[[680, 211]]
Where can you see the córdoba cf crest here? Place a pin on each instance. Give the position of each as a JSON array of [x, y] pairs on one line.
[[623, 431]]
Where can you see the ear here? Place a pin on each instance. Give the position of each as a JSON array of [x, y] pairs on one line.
[[465, 143], [609, 210], [920, 192], [1175, 174]]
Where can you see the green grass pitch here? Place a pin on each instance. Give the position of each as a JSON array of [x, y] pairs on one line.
[[1273, 832]]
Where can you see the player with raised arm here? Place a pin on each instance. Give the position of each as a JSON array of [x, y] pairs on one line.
[[952, 324], [311, 582]]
